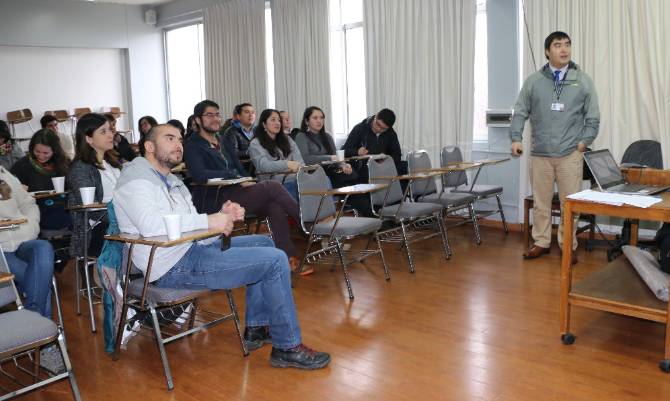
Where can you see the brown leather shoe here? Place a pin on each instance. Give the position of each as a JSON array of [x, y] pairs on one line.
[[535, 252]]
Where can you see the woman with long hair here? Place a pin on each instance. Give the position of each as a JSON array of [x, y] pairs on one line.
[[95, 164], [275, 154], [45, 160]]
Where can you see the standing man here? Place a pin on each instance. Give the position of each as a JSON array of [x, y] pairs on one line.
[[562, 105]]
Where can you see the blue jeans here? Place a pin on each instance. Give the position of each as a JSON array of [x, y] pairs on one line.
[[33, 267], [292, 188], [263, 269]]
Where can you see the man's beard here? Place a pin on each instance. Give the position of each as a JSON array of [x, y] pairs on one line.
[[210, 130], [164, 160]]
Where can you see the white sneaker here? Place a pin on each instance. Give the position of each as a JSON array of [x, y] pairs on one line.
[[131, 328]]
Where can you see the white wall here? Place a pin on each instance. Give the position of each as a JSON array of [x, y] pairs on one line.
[[83, 25], [76, 78]]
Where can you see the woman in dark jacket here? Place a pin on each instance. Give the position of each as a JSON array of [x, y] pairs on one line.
[[95, 164], [44, 161]]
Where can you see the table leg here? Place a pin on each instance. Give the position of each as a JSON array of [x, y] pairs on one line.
[[634, 231], [566, 274], [89, 292]]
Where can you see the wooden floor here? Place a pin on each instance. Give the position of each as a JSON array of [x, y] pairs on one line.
[[481, 326]]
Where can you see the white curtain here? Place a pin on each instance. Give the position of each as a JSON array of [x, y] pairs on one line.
[[420, 64], [235, 66], [623, 46], [300, 48]]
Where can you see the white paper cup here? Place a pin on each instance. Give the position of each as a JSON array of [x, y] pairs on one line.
[[87, 195], [340, 155], [173, 226], [59, 183]]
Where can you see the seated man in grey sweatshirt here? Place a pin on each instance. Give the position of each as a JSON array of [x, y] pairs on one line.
[[146, 191]]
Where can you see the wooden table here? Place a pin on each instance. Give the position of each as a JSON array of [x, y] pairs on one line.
[[6, 277], [615, 288], [11, 224], [46, 194]]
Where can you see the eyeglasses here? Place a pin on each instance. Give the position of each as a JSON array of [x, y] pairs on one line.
[[212, 115]]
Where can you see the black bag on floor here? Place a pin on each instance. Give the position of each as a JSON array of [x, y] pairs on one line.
[[663, 243]]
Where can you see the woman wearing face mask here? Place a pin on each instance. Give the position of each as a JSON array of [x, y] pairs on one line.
[[274, 153]]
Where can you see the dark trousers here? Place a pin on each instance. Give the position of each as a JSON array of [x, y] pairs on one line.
[[267, 198]]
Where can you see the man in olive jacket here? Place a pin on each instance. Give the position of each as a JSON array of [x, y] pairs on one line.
[[562, 105]]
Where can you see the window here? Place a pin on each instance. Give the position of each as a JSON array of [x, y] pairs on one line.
[[185, 64], [480, 131], [268, 57], [347, 64]]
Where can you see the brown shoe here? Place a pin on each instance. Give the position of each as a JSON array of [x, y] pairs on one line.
[[535, 252], [294, 263]]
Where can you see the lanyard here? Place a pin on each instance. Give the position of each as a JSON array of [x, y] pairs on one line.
[[558, 89]]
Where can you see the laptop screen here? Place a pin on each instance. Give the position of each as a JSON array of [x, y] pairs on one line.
[[604, 168]]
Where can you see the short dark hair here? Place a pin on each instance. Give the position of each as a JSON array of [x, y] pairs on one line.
[[199, 108], [238, 109], [151, 136], [177, 124], [49, 138], [110, 117], [5, 133], [558, 35], [387, 116], [86, 126], [46, 119]]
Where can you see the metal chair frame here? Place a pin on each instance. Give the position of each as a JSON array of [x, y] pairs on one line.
[[29, 354], [167, 333], [411, 229], [334, 252]]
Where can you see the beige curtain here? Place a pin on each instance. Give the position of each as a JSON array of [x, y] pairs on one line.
[[623, 46], [300, 48], [235, 66], [420, 63]]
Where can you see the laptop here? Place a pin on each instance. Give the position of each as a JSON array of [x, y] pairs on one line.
[[608, 175]]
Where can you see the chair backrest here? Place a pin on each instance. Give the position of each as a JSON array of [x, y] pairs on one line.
[[80, 111], [384, 167], [313, 178], [8, 292], [452, 154], [416, 161], [645, 152], [61, 115], [15, 117], [28, 114]]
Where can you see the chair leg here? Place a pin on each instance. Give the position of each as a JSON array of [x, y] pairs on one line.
[[89, 293], [161, 348], [77, 287], [475, 223], [236, 320], [405, 243], [344, 268], [387, 275], [119, 332], [68, 367], [502, 214], [59, 311], [445, 239]]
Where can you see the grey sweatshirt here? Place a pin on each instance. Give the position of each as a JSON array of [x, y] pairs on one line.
[[141, 199]]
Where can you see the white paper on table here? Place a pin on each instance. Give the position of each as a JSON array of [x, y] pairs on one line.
[[231, 181], [611, 198]]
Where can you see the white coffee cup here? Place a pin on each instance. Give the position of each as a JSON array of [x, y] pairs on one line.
[[87, 195], [340, 155], [59, 183], [173, 226]]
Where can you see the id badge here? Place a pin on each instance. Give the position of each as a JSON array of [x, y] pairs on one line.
[[557, 107]]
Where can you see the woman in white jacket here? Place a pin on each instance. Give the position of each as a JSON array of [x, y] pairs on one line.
[[29, 259]]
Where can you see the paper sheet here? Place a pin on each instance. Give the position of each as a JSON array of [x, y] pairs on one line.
[[615, 199]]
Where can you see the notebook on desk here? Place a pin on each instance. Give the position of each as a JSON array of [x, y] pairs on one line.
[[607, 175]]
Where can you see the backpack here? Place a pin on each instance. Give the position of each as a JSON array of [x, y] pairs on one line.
[[662, 240]]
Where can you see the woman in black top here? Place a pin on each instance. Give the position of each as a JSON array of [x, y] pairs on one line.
[[121, 144], [45, 160]]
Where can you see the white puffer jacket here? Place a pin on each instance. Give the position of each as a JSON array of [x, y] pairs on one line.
[[21, 205]]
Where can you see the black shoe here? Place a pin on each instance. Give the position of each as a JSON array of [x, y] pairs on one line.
[[256, 337], [300, 357]]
